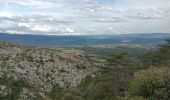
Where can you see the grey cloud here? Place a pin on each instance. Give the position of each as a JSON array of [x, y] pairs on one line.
[[147, 13], [32, 24], [37, 19], [79, 16], [112, 20]]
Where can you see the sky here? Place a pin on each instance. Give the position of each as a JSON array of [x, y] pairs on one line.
[[84, 17]]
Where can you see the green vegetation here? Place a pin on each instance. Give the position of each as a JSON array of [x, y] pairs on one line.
[[150, 84], [158, 57], [122, 78], [56, 93], [134, 50], [102, 87], [15, 86], [121, 59]]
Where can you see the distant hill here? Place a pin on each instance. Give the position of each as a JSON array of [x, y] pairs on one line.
[[44, 40]]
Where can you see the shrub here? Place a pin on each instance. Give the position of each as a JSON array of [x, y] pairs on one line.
[[150, 84]]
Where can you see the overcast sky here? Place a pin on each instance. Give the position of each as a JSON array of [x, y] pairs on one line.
[[82, 17]]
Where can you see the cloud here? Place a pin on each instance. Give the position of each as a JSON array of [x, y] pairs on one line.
[[75, 17], [36, 27], [112, 20], [149, 13]]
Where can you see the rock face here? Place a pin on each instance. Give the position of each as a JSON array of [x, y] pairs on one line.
[[41, 69]]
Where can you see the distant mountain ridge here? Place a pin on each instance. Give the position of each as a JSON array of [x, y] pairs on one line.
[[45, 40]]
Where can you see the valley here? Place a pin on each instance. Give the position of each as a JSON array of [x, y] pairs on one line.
[[78, 72]]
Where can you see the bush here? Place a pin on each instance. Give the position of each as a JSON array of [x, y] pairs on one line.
[[99, 88], [56, 92], [15, 85], [150, 84]]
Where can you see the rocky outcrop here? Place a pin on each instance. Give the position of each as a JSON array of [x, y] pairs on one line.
[[43, 68]]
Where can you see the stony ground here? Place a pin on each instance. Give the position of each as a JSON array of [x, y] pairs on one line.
[[40, 69]]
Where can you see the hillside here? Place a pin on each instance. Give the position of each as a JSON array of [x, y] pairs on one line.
[[35, 71], [79, 73]]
